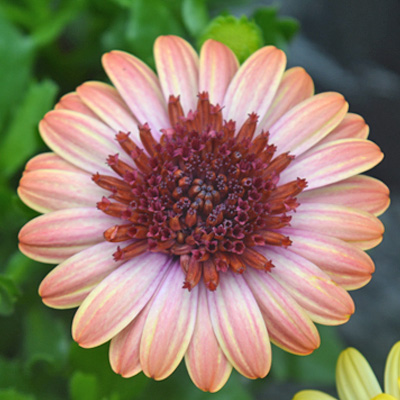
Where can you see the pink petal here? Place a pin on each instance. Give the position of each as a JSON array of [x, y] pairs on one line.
[[367, 244], [54, 237], [333, 162], [47, 190], [338, 221], [363, 192], [308, 122], [325, 302], [218, 65], [239, 326], [108, 105], [125, 347], [295, 87], [353, 126], [67, 285], [288, 325], [139, 87], [169, 326], [85, 142], [347, 265], [205, 361], [118, 299], [50, 161], [73, 102], [254, 85], [177, 68]]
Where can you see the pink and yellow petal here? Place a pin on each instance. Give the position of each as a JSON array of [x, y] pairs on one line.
[[325, 302], [333, 162], [105, 312], [355, 379], [46, 190], [50, 161], [169, 326], [345, 264], [83, 141], [125, 346], [308, 122], [338, 221], [239, 327], [67, 285], [218, 65], [73, 102], [392, 372], [53, 237], [108, 106], [254, 85], [360, 192], [177, 68], [353, 126], [206, 363], [288, 325], [295, 87], [139, 87]]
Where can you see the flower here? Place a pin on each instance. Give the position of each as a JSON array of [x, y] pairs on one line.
[[355, 379], [238, 184]]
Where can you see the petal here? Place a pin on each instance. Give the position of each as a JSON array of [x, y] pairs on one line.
[[169, 326], [47, 190], [333, 162], [50, 161], [85, 142], [239, 327], [352, 126], [177, 68], [347, 265], [53, 237], [288, 325], [218, 65], [118, 299], [67, 285], [308, 122], [325, 302], [312, 395], [355, 379], [125, 347], [295, 87], [254, 85], [73, 102], [206, 363], [363, 192], [108, 105], [392, 372], [139, 87], [338, 221]]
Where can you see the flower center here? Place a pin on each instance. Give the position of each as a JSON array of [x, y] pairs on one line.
[[203, 193]]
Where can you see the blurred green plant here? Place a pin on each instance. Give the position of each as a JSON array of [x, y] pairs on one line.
[[47, 48]]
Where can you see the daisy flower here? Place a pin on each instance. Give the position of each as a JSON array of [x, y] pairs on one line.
[[203, 212], [355, 379]]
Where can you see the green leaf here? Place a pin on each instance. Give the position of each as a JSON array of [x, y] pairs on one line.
[[16, 55], [147, 23], [195, 15], [242, 36], [276, 30], [11, 394], [8, 295], [84, 386], [22, 139]]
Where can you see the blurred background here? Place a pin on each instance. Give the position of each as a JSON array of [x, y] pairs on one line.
[[49, 47]]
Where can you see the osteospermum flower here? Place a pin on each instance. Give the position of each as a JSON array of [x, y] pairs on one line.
[[203, 212], [355, 379]]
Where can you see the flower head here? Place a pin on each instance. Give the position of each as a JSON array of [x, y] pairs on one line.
[[203, 212], [355, 379]]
